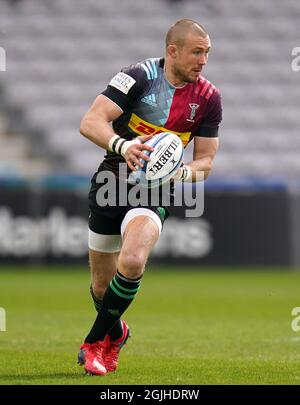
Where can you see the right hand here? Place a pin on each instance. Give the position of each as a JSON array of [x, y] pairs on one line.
[[178, 175], [134, 153]]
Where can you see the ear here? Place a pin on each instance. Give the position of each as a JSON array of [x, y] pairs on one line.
[[172, 51]]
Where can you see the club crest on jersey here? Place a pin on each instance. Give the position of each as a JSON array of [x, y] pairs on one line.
[[193, 108]]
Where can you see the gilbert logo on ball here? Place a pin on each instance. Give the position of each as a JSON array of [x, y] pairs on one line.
[[164, 161]]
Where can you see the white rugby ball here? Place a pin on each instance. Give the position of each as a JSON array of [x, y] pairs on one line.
[[164, 161]]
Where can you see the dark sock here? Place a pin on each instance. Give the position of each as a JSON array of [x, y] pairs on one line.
[[117, 298], [117, 330]]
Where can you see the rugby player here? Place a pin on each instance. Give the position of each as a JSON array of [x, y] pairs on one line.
[[152, 96]]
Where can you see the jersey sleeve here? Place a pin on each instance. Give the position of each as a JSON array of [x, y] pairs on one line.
[[126, 86], [210, 125]]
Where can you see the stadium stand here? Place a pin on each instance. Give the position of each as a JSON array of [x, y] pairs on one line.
[[61, 54]]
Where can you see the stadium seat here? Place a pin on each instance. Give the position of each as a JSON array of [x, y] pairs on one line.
[[62, 54]]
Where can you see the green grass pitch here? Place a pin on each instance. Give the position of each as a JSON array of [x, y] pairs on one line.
[[188, 327]]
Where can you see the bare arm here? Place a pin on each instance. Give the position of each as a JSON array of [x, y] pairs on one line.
[[204, 153], [199, 168], [95, 125]]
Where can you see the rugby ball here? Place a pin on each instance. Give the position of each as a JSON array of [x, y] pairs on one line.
[[164, 161]]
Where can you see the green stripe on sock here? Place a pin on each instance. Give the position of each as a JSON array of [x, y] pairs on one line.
[[130, 290], [128, 297]]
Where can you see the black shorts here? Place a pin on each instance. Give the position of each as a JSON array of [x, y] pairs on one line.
[[107, 219]]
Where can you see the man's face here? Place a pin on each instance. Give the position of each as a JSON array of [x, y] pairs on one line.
[[191, 57]]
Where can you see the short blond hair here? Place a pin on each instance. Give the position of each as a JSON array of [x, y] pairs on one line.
[[178, 31]]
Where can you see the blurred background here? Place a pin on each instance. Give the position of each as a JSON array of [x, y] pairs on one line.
[[234, 320], [57, 56]]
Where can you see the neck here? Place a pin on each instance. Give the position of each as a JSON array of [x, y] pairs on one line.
[[172, 78]]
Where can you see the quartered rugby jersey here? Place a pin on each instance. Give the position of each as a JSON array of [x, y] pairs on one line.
[[151, 105]]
